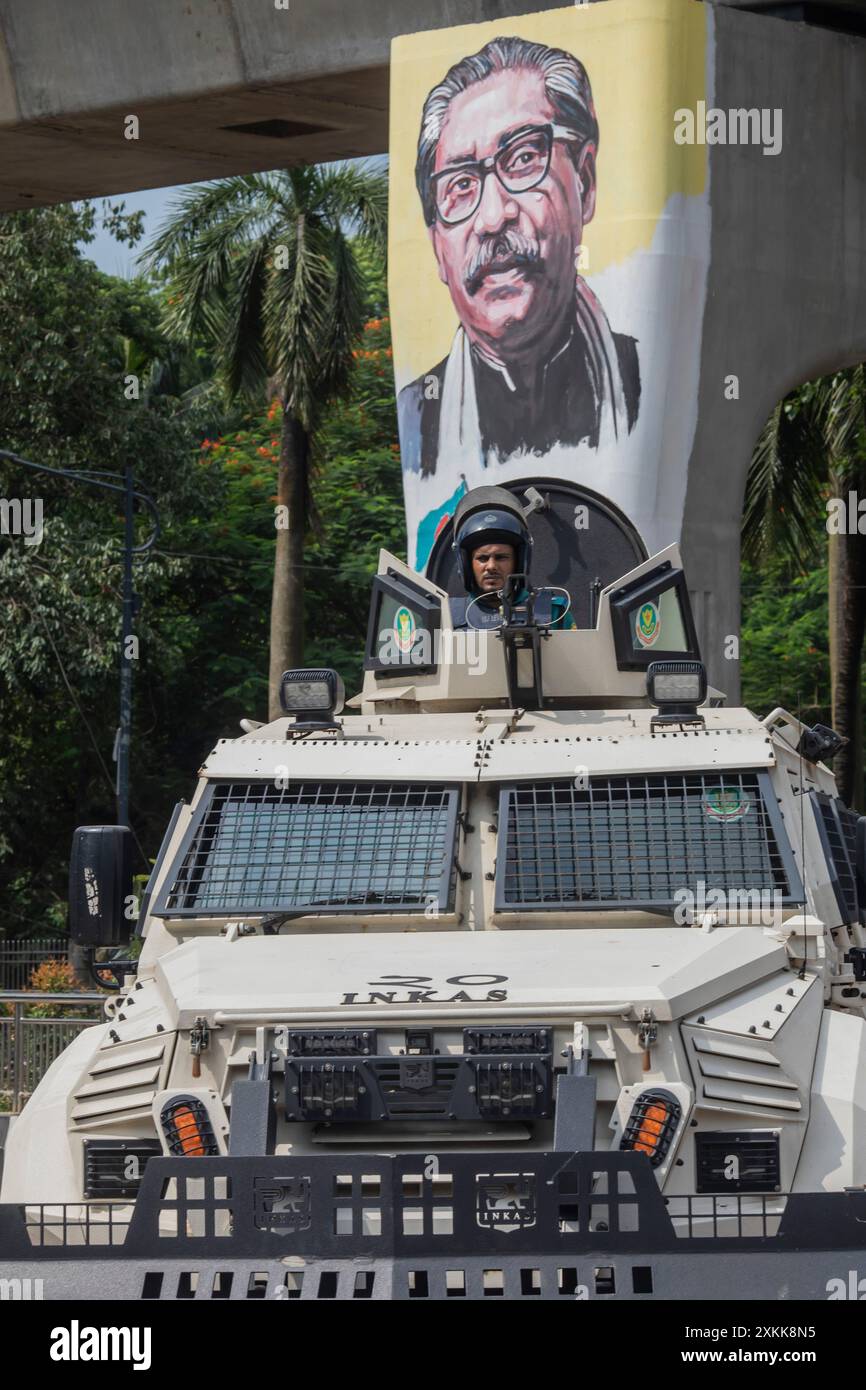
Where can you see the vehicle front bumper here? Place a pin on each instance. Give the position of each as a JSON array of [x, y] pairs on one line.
[[515, 1225]]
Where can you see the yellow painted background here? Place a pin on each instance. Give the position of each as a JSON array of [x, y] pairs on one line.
[[645, 59]]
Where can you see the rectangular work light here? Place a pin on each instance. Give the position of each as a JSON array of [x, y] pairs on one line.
[[676, 688], [312, 696]]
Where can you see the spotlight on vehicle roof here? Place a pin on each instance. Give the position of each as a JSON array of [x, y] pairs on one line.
[[819, 744], [313, 697], [676, 688]]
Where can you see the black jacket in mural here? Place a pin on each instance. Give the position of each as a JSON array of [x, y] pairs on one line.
[[560, 409]]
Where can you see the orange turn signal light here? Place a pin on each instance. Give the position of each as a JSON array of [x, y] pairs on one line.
[[652, 1125], [187, 1128]]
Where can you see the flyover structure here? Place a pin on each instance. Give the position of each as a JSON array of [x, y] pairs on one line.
[[225, 86]]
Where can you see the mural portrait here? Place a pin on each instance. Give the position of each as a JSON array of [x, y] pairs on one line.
[[549, 251], [506, 175]]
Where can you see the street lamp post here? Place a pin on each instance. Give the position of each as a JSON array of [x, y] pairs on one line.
[[123, 483]]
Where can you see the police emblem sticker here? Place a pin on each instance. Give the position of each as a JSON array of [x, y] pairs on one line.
[[725, 804], [647, 624], [404, 630]]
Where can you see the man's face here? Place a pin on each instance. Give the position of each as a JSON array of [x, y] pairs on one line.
[[491, 566], [509, 307]]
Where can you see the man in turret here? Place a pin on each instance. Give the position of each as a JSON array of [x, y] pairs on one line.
[[490, 546]]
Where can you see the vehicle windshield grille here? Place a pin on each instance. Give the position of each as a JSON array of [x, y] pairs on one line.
[[253, 847], [839, 825], [638, 842]]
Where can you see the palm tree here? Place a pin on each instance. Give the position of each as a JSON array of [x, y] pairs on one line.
[[264, 269], [813, 447]]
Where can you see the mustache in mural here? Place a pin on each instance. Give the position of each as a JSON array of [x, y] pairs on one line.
[[502, 251]]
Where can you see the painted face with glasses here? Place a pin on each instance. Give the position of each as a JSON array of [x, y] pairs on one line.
[[513, 190]]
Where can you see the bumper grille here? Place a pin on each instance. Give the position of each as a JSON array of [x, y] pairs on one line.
[[340, 1089], [404, 1093]]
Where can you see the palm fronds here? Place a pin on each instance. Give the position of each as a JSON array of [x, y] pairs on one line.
[[264, 267], [784, 485]]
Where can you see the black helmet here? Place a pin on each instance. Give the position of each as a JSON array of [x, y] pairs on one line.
[[484, 516]]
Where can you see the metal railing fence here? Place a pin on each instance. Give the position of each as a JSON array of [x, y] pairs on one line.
[[28, 1044], [18, 959]]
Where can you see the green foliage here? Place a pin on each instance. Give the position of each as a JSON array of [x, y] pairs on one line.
[[69, 336], [358, 510], [64, 335], [813, 444], [812, 448], [784, 646]]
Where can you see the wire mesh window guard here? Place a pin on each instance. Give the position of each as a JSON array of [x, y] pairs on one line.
[[837, 826], [635, 842], [330, 847]]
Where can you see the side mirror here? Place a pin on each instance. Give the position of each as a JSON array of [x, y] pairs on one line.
[[100, 881]]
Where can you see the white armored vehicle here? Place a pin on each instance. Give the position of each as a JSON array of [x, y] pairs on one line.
[[537, 972]]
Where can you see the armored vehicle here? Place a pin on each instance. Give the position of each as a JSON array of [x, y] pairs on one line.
[[533, 972]]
